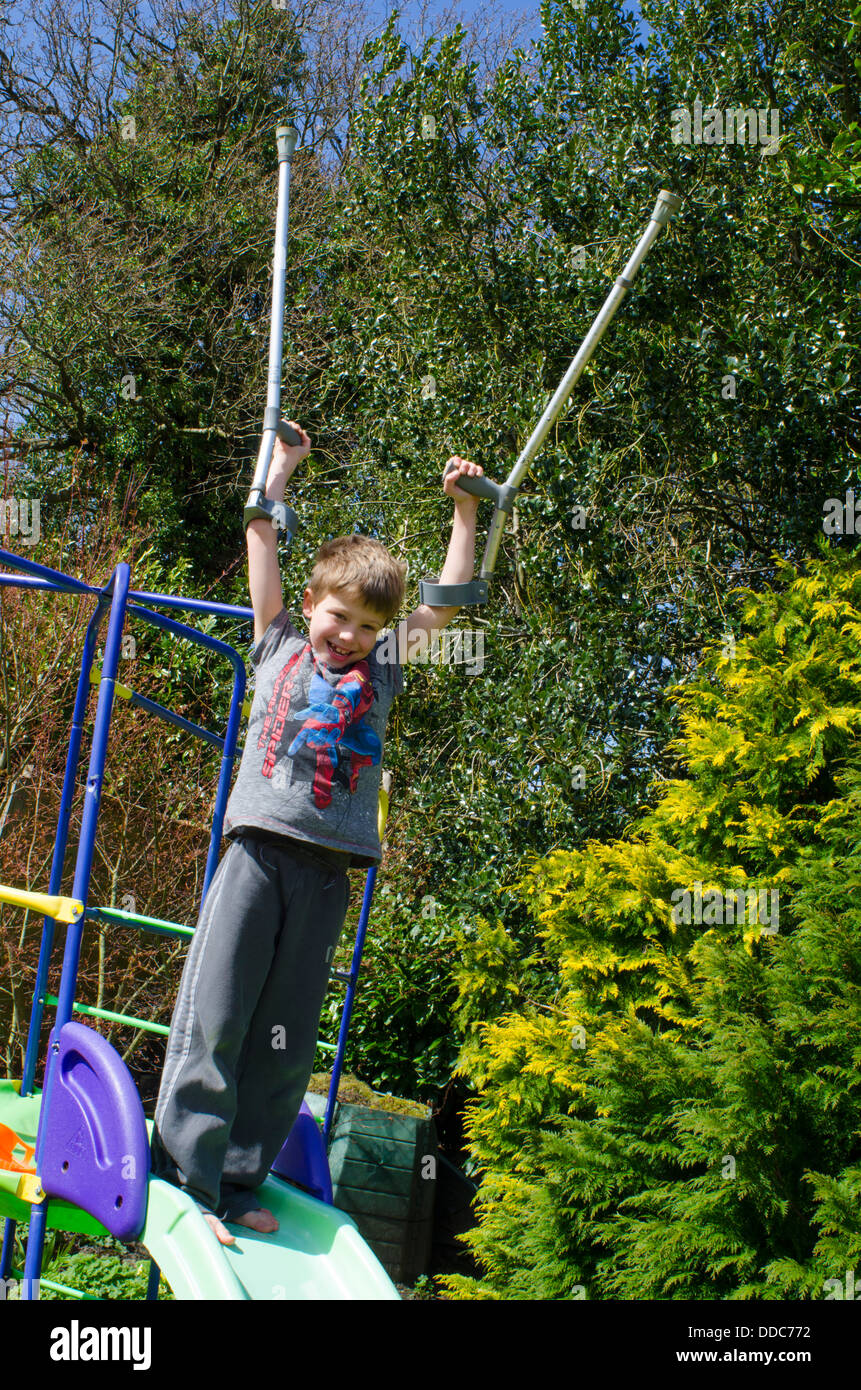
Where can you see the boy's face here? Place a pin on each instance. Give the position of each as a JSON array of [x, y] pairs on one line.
[[341, 629]]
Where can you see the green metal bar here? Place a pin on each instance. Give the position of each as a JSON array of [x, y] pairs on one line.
[[141, 1022], [134, 919], [61, 1288], [114, 1018]]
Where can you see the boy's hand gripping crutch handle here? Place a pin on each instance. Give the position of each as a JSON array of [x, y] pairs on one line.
[[482, 486], [282, 429], [258, 504]]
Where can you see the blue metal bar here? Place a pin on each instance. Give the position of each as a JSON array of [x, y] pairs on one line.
[[118, 587], [196, 605], [9, 1227], [35, 1247], [171, 717], [60, 841], [20, 582], [58, 580], [233, 719], [347, 1010], [38, 1225], [228, 744]]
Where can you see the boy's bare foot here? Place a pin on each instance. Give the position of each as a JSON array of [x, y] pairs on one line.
[[219, 1230], [261, 1219]]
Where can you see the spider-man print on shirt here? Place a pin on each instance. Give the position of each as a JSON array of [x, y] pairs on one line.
[[333, 727]]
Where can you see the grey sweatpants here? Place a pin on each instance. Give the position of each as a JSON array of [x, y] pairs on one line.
[[244, 1029]]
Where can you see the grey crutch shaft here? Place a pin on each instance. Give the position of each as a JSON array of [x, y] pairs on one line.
[[258, 505], [504, 495], [667, 204]]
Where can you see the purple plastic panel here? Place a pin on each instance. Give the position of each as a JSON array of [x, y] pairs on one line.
[[303, 1157], [96, 1148]]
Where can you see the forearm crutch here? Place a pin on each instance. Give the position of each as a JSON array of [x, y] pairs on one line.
[[504, 494], [258, 504]]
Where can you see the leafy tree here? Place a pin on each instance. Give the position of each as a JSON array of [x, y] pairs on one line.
[[681, 1116], [469, 230]]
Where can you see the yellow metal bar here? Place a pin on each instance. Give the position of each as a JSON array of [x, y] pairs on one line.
[[61, 909], [125, 692], [29, 1188], [383, 804]]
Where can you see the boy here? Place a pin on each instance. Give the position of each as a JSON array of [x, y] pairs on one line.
[[302, 811]]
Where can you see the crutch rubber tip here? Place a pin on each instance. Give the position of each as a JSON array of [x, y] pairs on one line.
[[668, 203], [285, 138]]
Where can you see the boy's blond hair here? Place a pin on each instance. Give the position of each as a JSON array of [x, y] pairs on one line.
[[364, 569]]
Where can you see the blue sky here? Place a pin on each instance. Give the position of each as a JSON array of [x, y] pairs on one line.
[[531, 13]]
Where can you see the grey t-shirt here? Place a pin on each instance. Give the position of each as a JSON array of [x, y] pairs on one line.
[[312, 760]]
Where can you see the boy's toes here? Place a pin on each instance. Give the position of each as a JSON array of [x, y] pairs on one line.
[[261, 1219], [219, 1230]]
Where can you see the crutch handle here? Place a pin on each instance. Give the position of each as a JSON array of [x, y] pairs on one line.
[[272, 421], [482, 486]]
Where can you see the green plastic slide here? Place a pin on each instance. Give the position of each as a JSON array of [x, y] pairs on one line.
[[317, 1252]]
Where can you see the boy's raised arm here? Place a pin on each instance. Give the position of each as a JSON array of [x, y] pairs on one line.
[[264, 574], [459, 562]]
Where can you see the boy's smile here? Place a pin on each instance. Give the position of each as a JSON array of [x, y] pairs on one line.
[[340, 629]]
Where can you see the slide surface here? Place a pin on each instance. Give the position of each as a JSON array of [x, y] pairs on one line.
[[317, 1252]]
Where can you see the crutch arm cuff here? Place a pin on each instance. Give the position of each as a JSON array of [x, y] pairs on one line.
[[282, 517], [453, 595]]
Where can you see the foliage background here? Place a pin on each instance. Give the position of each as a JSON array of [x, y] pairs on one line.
[[133, 332], [679, 1117]]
